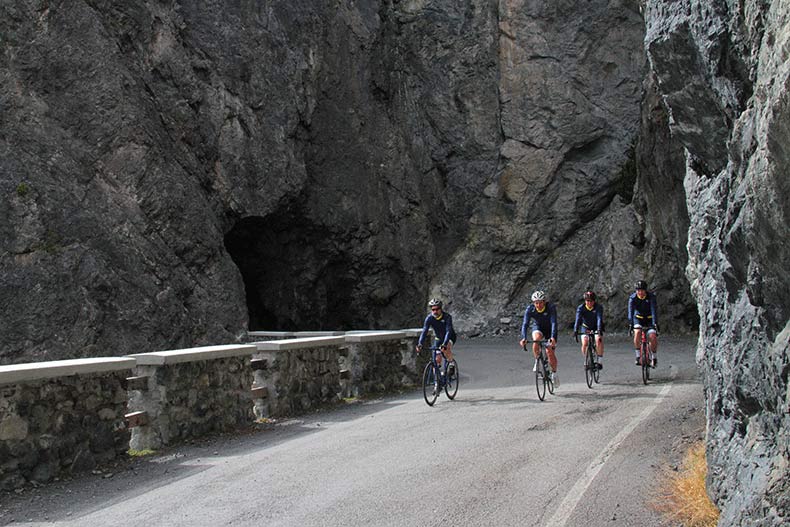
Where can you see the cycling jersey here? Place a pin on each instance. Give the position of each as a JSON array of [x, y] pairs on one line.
[[544, 321], [591, 319], [642, 312], [442, 328]]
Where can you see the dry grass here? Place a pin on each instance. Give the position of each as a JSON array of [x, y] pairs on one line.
[[140, 453], [682, 494]]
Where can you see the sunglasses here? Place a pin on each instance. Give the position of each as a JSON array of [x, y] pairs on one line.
[[435, 308]]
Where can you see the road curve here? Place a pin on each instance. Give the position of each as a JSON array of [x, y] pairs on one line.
[[494, 456]]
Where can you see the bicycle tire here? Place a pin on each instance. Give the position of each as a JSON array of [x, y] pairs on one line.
[[644, 358], [590, 368], [540, 379], [451, 386], [597, 374], [430, 387]]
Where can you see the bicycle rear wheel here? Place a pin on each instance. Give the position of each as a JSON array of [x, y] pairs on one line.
[[451, 387], [430, 386], [644, 358], [540, 379], [590, 368]]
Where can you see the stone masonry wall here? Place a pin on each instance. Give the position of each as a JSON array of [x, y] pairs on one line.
[[300, 380], [191, 399], [297, 380], [58, 426], [75, 422], [380, 366]]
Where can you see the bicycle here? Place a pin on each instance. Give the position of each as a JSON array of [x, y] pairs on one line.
[[543, 376], [436, 377], [591, 371], [645, 359]]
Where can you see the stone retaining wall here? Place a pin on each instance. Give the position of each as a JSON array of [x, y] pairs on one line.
[[293, 376], [69, 416], [379, 363], [55, 426], [190, 393]]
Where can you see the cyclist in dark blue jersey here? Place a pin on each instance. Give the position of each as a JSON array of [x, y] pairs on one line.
[[540, 318], [441, 323], [589, 315], [642, 308]]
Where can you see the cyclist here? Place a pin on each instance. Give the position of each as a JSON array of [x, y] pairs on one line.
[[442, 324], [589, 315], [541, 318], [642, 310]]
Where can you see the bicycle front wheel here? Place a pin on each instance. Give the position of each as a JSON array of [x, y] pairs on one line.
[[597, 374], [451, 386], [540, 379], [430, 386], [590, 368], [644, 358]]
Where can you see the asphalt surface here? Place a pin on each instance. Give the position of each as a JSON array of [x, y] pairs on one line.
[[495, 455]]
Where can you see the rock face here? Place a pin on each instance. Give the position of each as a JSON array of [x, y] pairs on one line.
[[723, 69], [172, 174]]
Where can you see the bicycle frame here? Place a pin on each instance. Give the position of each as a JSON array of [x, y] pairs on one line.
[[644, 354], [436, 377], [591, 372], [436, 352], [543, 378]]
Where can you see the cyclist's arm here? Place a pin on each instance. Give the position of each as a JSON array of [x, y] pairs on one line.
[[654, 309], [524, 324], [599, 314], [553, 318], [631, 310], [448, 330], [578, 322], [425, 327]]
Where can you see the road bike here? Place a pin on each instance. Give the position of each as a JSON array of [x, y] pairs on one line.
[[436, 377], [543, 376], [645, 357], [591, 371]]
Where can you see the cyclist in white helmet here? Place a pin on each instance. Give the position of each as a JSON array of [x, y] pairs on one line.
[[540, 318]]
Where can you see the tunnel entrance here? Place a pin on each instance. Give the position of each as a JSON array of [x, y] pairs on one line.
[[293, 278]]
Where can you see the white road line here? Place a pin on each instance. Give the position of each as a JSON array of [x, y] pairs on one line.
[[567, 506]]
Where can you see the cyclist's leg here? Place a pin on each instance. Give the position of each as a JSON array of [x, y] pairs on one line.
[[448, 350], [599, 345], [537, 336], [652, 338], [549, 349], [438, 359], [550, 352], [583, 340]]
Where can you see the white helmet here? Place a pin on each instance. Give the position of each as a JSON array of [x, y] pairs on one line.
[[538, 295]]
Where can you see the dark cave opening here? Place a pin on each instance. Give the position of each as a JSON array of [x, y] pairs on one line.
[[293, 279]]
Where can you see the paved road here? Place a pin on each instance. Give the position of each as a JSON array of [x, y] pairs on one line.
[[494, 456]]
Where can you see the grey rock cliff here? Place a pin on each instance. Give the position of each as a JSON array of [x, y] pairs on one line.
[[724, 71], [172, 173]]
